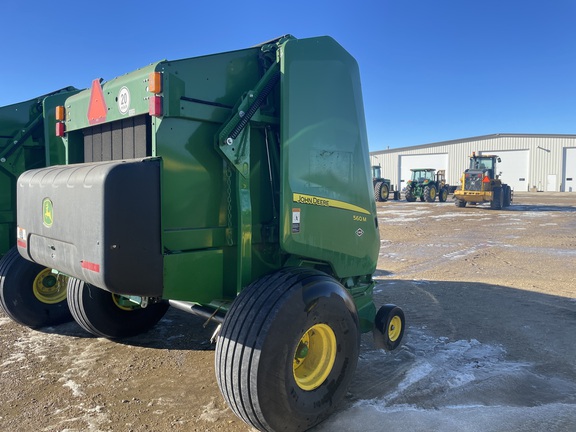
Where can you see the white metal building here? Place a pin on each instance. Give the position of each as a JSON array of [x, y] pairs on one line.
[[530, 162]]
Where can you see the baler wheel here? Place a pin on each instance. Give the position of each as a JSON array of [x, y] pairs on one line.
[[101, 313], [288, 349], [460, 203], [30, 294], [389, 327]]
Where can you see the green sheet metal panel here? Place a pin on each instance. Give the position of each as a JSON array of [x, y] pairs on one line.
[[328, 211], [25, 129]]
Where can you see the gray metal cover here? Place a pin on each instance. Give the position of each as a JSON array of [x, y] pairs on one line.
[[104, 226]]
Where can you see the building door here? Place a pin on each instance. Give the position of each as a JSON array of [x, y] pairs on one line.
[[551, 183], [569, 178], [514, 168]]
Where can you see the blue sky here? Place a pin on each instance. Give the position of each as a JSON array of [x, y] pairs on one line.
[[432, 70]]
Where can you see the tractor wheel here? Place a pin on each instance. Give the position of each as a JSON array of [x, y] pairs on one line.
[[497, 198], [430, 193], [381, 192], [443, 195], [409, 195], [31, 294], [105, 314], [389, 327], [507, 199], [460, 203], [288, 349]]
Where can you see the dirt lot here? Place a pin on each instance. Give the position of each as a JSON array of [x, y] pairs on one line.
[[490, 301]]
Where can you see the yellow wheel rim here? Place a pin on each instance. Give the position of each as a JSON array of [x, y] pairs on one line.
[[384, 192], [314, 357], [395, 328], [432, 193], [50, 288], [124, 305]]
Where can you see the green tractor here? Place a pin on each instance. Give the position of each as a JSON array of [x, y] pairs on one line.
[[426, 184], [234, 186], [31, 294], [381, 185]]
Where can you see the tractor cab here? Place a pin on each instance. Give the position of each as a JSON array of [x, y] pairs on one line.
[[423, 176], [485, 164]]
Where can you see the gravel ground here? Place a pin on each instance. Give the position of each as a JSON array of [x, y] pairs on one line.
[[490, 301]]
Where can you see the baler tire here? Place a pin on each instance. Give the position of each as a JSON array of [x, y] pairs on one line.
[[97, 311], [460, 203], [389, 326], [267, 341], [26, 298]]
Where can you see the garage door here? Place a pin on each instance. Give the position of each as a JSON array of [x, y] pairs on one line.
[[569, 177], [407, 162], [514, 168]]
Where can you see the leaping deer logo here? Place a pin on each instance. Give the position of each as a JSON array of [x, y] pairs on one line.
[[48, 212]]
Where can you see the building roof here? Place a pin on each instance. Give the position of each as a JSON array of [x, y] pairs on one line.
[[476, 138]]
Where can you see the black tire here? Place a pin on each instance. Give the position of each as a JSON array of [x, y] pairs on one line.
[[430, 193], [507, 199], [409, 196], [389, 326], [381, 192], [497, 198], [443, 195], [261, 350], [460, 203], [98, 312], [30, 294]]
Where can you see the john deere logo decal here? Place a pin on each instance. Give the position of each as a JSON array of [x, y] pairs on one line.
[[47, 212]]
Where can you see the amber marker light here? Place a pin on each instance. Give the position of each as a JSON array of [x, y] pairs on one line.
[[60, 113], [155, 82]]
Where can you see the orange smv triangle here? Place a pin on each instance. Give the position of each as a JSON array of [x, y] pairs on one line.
[[97, 108]]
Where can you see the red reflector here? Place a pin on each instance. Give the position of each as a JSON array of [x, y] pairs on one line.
[[97, 108], [60, 129], [21, 243], [486, 179], [155, 106], [90, 266]]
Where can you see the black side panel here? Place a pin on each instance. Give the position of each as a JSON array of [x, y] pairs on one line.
[[104, 226], [123, 139]]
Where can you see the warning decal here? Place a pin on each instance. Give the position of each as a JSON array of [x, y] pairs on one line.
[[295, 220]]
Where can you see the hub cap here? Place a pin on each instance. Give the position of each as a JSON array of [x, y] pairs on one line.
[[395, 328], [49, 288], [314, 357]]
